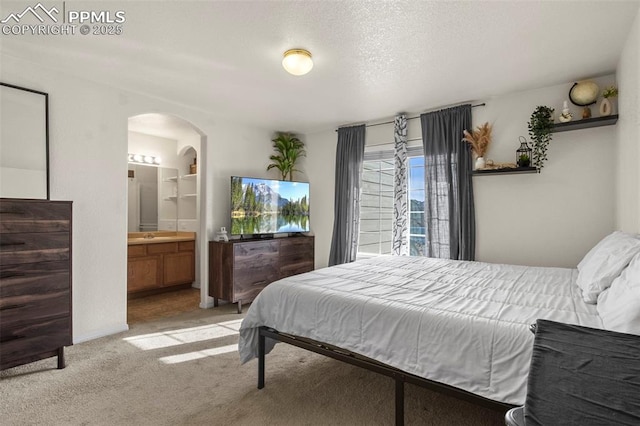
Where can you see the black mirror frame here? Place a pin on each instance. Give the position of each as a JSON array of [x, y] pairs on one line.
[[46, 124]]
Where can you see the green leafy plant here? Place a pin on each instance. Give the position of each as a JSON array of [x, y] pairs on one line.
[[610, 92], [540, 127], [288, 148], [524, 160]]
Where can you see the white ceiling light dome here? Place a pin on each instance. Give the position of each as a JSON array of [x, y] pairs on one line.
[[297, 61]]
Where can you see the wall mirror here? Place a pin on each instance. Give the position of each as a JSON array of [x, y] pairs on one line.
[[24, 142], [153, 198]]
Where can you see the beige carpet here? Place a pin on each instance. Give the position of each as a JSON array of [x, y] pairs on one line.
[[184, 370]]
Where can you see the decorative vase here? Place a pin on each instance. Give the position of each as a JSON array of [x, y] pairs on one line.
[[605, 107], [480, 163]]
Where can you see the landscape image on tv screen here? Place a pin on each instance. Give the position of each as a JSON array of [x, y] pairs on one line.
[[265, 206]]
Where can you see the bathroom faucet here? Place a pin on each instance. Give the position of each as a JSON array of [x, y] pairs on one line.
[[148, 235]]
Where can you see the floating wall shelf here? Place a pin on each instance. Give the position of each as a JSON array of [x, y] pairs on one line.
[[508, 171], [585, 123]]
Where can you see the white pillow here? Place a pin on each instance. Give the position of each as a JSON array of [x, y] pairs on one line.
[[605, 262], [619, 305]]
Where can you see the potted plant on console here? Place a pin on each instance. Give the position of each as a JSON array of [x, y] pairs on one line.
[[288, 149], [540, 128]]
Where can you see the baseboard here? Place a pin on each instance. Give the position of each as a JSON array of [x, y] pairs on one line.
[[208, 304], [100, 333]]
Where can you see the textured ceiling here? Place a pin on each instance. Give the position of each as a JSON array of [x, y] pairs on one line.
[[371, 59]]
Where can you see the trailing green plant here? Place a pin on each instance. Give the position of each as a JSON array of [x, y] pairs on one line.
[[540, 127], [610, 92], [288, 148]]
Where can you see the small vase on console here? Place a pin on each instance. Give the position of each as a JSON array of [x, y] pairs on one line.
[[480, 163]]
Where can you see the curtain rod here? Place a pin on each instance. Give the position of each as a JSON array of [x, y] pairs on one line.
[[411, 118]]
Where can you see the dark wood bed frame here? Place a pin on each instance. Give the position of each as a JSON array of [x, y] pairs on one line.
[[399, 376]]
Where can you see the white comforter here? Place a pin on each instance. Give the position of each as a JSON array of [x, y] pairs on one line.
[[460, 323]]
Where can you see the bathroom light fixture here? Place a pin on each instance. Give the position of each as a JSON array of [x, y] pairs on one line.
[[297, 61], [149, 160]]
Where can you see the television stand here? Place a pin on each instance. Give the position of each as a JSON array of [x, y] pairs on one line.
[[240, 269]]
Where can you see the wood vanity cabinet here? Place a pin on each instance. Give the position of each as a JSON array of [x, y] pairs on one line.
[[35, 280], [240, 269], [160, 265]]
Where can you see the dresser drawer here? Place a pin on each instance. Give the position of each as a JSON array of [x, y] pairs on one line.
[[255, 253], [14, 210], [296, 246], [27, 308], [34, 278], [27, 340], [33, 247]]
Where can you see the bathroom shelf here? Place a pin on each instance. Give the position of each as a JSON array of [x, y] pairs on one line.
[[171, 179], [507, 171], [585, 123], [170, 198], [187, 177], [189, 196]]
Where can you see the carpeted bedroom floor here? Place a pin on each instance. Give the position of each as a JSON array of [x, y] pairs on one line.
[[184, 370]]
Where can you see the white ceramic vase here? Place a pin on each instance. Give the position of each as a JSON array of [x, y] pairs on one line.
[[605, 107], [480, 163]]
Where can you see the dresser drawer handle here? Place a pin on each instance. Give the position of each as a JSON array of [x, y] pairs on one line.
[[11, 274], [13, 243], [6, 308]]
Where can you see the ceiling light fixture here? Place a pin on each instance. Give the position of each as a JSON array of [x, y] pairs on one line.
[[297, 61]]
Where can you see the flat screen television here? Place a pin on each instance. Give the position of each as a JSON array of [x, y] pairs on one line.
[[266, 206]]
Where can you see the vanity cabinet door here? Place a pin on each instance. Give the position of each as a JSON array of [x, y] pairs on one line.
[[179, 268], [144, 273]]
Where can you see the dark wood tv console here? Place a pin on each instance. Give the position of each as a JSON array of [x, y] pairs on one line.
[[240, 269]]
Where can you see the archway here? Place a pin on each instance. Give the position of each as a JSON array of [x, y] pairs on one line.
[[178, 143]]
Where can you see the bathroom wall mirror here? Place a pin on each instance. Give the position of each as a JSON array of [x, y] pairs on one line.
[[153, 198], [24, 142]]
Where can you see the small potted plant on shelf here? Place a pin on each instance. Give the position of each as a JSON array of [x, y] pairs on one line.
[[605, 106], [288, 149], [540, 128], [524, 160]]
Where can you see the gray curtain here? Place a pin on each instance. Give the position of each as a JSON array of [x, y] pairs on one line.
[[400, 238], [346, 220], [449, 207]]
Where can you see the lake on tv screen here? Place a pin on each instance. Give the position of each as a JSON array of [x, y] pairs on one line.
[[262, 206]]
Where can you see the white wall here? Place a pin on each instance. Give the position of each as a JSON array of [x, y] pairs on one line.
[[551, 218], [555, 217], [166, 149], [628, 137], [88, 148]]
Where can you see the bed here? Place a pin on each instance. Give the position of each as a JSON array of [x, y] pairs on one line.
[[464, 325]]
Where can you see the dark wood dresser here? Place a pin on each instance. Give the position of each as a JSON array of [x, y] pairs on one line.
[[240, 269], [35, 280]]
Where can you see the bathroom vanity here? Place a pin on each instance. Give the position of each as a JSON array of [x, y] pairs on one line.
[[160, 260]]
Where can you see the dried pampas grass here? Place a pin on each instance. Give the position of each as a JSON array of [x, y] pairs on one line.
[[479, 139]]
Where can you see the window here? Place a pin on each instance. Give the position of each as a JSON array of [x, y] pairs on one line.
[[376, 206], [416, 206]]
